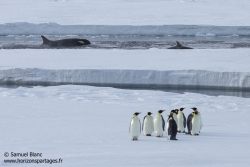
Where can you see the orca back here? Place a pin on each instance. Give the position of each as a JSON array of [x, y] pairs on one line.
[[65, 42], [179, 46], [45, 40]]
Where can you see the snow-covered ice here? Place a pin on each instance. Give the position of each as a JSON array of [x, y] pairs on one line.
[[158, 17], [202, 68], [127, 12], [220, 60], [88, 126]]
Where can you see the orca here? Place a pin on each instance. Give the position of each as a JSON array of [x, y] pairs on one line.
[[65, 42], [179, 46]]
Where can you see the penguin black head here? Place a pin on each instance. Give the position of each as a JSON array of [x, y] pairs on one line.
[[172, 112], [161, 111], [181, 109], [194, 108], [149, 113], [176, 111], [136, 113]]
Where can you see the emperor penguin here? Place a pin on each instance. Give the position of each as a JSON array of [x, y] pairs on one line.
[[189, 120], [135, 126], [159, 124], [194, 122], [195, 109], [172, 128], [148, 125], [174, 114], [181, 124]]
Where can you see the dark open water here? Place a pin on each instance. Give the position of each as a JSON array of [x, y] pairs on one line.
[[129, 41], [181, 90]]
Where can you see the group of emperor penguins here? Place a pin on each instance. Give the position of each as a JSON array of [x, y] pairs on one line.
[[176, 123]]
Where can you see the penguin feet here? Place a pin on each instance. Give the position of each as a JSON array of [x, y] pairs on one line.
[[174, 139], [159, 136], [196, 134], [134, 138], [181, 131], [188, 133], [148, 134], [178, 131]]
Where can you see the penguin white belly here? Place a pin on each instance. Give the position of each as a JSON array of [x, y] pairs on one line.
[[180, 125], [158, 126], [175, 118], [148, 126], [167, 126], [196, 124], [135, 128]]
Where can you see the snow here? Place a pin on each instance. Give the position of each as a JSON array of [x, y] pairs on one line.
[[125, 17], [220, 60], [88, 126], [127, 12], [140, 68]]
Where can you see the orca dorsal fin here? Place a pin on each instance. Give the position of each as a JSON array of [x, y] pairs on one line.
[[45, 40], [178, 44]]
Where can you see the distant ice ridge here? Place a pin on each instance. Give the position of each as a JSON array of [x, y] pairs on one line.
[[23, 28], [138, 78]]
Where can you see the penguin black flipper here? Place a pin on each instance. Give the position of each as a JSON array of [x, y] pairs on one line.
[[189, 122], [143, 122], [185, 120], [172, 129], [163, 123]]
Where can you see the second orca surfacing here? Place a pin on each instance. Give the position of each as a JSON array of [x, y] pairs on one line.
[[65, 42], [179, 46]]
